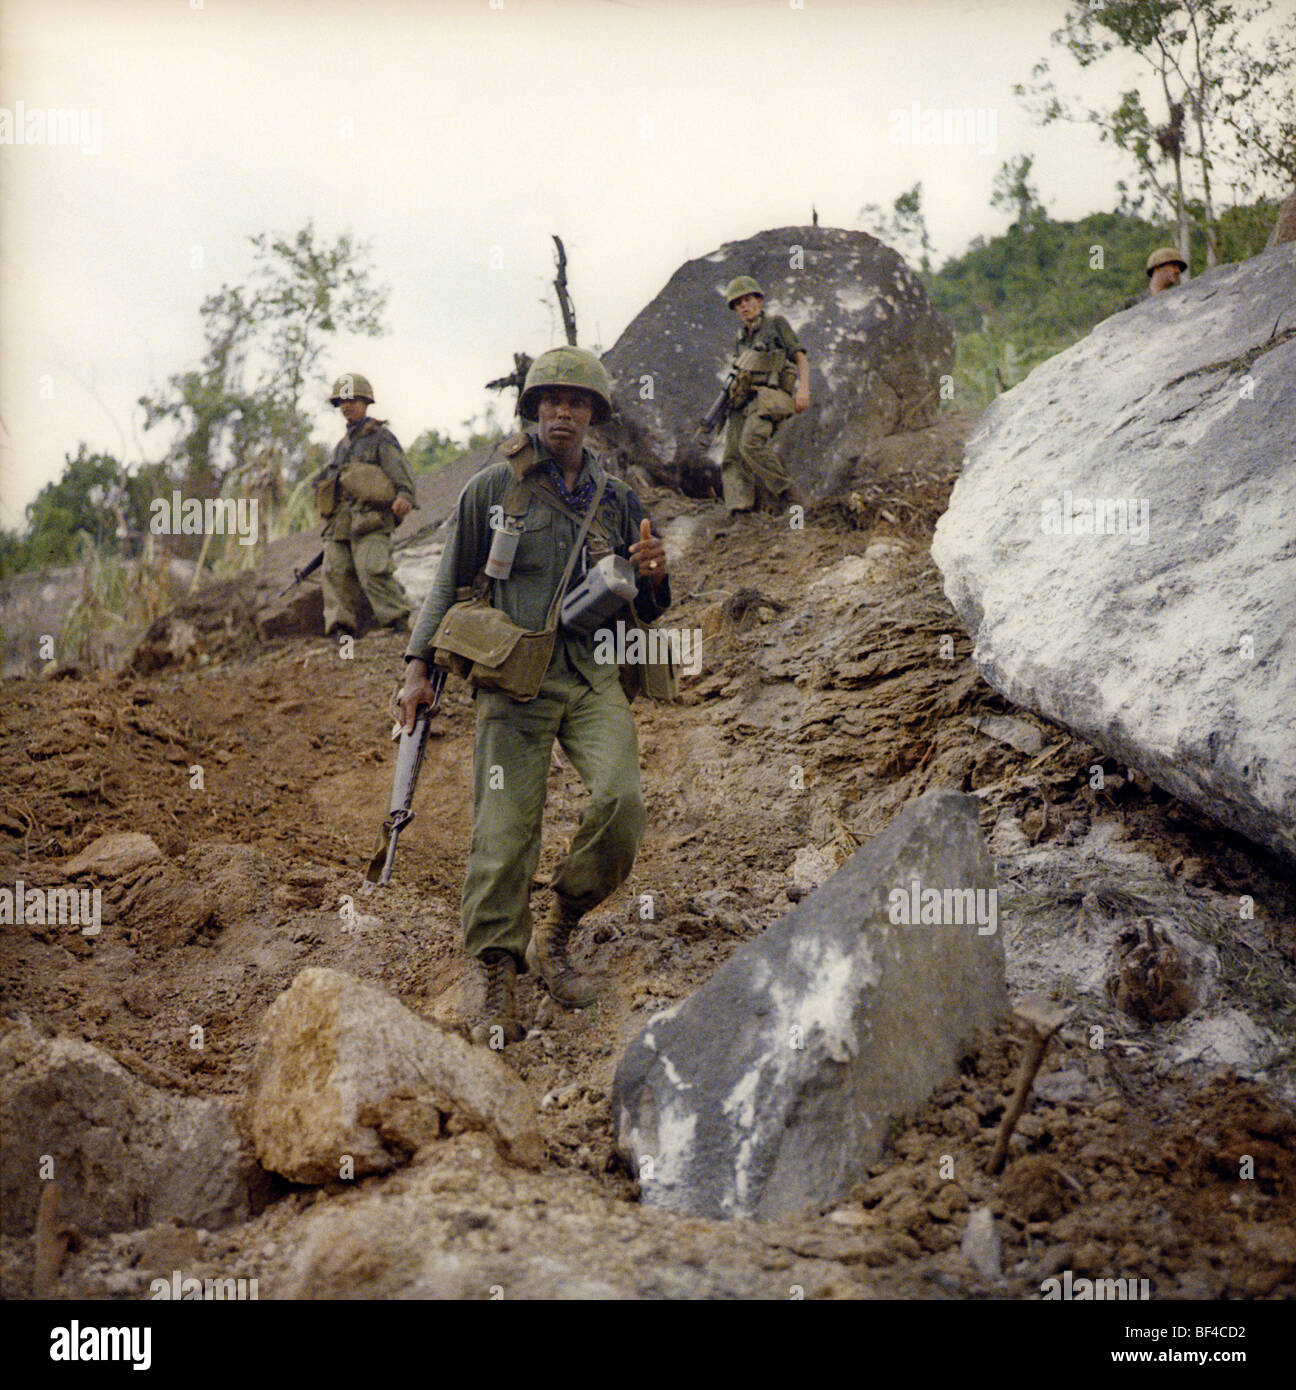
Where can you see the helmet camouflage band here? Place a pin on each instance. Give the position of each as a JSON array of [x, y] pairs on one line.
[[567, 366], [351, 386], [1165, 255], [744, 284]]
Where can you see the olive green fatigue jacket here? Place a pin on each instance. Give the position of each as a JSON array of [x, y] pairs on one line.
[[775, 340], [367, 441], [546, 541]]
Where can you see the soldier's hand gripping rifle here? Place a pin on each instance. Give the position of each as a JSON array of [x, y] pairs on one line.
[[409, 759]]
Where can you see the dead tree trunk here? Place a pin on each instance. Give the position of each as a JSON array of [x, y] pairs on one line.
[[564, 299]]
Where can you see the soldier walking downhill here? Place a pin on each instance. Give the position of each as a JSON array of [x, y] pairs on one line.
[[362, 496], [770, 380], [547, 494]]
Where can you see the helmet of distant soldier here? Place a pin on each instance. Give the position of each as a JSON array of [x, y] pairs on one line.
[[567, 366], [351, 386], [736, 288], [1165, 255]]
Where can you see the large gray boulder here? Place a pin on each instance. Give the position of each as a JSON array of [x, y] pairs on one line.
[[877, 349], [347, 1081], [1170, 643], [770, 1089], [125, 1154]]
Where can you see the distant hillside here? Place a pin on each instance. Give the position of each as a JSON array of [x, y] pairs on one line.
[[1017, 299]]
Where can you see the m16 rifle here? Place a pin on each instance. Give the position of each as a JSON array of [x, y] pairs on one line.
[[691, 458], [409, 759], [715, 416], [299, 575]]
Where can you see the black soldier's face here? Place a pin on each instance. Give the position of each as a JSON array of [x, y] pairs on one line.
[[353, 409], [748, 308], [1165, 277], [564, 414]]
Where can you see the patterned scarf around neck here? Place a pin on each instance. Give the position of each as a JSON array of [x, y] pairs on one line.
[[579, 500]]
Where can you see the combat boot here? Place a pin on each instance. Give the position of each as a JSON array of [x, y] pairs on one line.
[[547, 952], [499, 975]]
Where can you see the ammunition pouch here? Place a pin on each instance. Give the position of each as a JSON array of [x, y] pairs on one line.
[[756, 369], [326, 497], [366, 520], [787, 379], [366, 482], [654, 680], [773, 403], [760, 364], [740, 389], [484, 645]]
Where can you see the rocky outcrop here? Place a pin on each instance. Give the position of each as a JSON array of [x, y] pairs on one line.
[[1120, 544], [347, 1082], [876, 347], [771, 1088], [124, 1153]]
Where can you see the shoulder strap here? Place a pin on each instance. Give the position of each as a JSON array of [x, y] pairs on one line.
[[551, 621], [547, 494]]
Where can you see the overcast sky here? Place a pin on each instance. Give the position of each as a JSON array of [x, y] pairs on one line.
[[454, 136]]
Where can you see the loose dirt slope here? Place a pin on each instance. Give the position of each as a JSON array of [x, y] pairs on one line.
[[835, 686]]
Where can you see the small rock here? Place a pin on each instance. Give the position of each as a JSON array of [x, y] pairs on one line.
[[110, 856], [981, 1243], [345, 1075], [850, 1216]]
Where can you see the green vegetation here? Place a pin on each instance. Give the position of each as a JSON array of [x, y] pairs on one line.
[[432, 450], [1015, 300]]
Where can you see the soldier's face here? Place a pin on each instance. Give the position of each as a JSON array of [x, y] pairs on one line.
[[748, 308], [564, 414], [1165, 277], [353, 409]]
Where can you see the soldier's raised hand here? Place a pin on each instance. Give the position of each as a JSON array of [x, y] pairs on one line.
[[648, 555]]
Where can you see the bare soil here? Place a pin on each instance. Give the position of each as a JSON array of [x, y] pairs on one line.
[[263, 780]]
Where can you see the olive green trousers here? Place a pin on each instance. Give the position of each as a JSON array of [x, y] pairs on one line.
[[353, 568], [751, 473], [514, 742]]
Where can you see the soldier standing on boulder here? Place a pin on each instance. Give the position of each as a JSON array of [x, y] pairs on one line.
[[770, 379], [539, 496], [362, 496]]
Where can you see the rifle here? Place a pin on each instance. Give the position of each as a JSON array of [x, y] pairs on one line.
[[409, 759], [715, 416], [299, 575]]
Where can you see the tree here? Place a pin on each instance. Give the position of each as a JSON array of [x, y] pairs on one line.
[[72, 507], [239, 414], [904, 228], [1222, 100], [1014, 193]]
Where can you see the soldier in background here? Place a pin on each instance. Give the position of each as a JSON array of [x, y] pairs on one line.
[[770, 379], [1164, 268], [362, 496]]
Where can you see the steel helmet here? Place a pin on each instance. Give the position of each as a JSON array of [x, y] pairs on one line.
[[351, 386], [567, 366], [1165, 255], [744, 284]]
